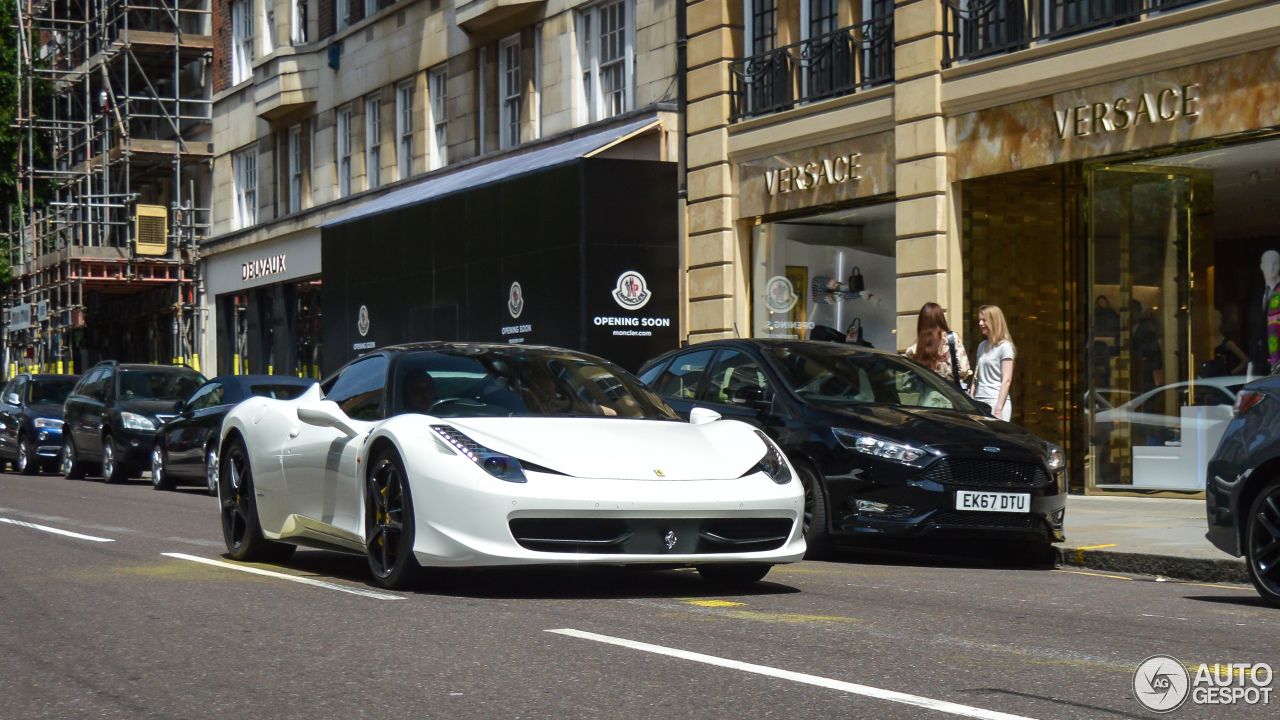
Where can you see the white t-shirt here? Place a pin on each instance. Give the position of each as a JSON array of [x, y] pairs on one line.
[[989, 374]]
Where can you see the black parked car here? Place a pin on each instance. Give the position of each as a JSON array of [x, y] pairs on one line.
[[186, 447], [1242, 488], [31, 416], [885, 447], [110, 418]]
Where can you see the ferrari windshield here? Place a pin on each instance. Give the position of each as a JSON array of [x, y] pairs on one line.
[[486, 382], [844, 375]]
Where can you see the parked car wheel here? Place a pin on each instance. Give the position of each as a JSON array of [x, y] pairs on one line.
[[160, 479], [72, 468], [240, 528], [211, 471], [112, 470], [1262, 543], [816, 536], [389, 517], [27, 463], [730, 575]]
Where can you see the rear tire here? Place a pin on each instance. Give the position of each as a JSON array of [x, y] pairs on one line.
[[160, 478], [733, 575], [241, 530], [27, 462], [72, 468], [816, 537], [389, 519], [1262, 543], [112, 469]]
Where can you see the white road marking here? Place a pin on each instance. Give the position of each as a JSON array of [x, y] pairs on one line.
[[55, 531], [282, 576], [865, 690]]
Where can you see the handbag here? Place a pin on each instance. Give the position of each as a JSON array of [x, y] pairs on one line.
[[857, 283], [854, 334], [955, 363]]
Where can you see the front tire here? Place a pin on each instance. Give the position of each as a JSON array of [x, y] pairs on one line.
[[160, 478], [389, 517], [733, 575], [241, 530], [72, 468], [211, 471], [112, 469], [816, 538], [1262, 543], [27, 463]]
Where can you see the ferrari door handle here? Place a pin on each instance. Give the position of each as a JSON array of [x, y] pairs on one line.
[[293, 433]]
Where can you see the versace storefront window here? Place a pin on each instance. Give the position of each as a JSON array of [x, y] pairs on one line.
[[827, 276], [1185, 307]]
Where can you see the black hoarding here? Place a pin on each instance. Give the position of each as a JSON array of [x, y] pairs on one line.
[[583, 256]]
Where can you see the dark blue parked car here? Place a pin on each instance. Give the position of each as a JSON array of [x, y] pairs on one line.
[[1242, 492], [31, 413]]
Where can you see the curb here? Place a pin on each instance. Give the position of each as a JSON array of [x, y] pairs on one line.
[[1179, 568]]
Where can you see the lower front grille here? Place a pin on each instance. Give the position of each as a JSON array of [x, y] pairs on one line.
[[1012, 521], [650, 536]]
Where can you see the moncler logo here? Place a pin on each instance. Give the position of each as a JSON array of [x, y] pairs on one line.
[[362, 324], [631, 291], [779, 295], [515, 300]]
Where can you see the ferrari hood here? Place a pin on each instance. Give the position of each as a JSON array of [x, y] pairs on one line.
[[619, 449]]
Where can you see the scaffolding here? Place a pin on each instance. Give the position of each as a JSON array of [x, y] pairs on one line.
[[114, 111]]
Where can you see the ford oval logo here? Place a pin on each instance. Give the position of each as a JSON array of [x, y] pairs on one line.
[[991, 449]]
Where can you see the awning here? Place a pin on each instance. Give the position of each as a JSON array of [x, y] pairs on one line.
[[496, 170]]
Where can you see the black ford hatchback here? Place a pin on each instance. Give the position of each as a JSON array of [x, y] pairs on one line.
[[885, 447]]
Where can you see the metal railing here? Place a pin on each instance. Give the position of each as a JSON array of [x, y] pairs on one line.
[[826, 66], [981, 28]]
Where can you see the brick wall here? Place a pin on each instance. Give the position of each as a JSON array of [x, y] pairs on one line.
[[221, 45]]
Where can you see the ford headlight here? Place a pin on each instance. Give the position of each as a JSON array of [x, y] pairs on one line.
[[503, 467], [1054, 457], [134, 421], [773, 463], [879, 447], [48, 423]]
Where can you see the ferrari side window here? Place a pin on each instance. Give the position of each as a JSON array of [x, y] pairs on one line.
[[358, 390], [680, 380]]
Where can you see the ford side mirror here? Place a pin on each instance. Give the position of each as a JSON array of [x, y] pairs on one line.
[[749, 396], [13, 399], [326, 414], [702, 416], [178, 405]]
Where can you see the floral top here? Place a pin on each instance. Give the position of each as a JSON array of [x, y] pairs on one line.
[[943, 367]]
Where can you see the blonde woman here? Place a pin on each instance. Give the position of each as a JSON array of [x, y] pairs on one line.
[[995, 363]]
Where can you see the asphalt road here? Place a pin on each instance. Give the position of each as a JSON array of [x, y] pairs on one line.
[[92, 629]]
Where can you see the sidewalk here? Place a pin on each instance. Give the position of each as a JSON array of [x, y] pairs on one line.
[[1150, 536]]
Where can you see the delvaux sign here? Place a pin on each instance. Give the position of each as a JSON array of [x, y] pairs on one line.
[[262, 267], [1165, 105], [835, 172]]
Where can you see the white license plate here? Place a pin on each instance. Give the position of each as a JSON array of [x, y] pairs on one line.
[[993, 501]]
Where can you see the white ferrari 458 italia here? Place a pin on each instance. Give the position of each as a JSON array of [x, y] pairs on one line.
[[468, 455]]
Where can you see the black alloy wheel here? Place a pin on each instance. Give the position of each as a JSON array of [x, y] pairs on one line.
[[27, 463], [733, 574], [211, 471], [160, 478], [72, 468], [1262, 543], [389, 519], [240, 528], [112, 469], [816, 537]]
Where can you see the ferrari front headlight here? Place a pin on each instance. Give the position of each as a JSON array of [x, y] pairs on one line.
[[773, 464], [503, 467], [134, 421]]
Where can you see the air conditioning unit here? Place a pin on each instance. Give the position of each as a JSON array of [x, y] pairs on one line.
[[151, 230]]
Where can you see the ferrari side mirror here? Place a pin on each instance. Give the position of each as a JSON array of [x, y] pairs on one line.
[[326, 414], [702, 416]]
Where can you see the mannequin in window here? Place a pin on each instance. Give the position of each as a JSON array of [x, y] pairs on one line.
[[1228, 358], [1271, 308]]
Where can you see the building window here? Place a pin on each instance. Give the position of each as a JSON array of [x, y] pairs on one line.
[[370, 8], [241, 41], [314, 158], [404, 129], [438, 87], [269, 29], [373, 141], [244, 186], [537, 81], [606, 54], [823, 17], [510, 91], [298, 22], [482, 100], [342, 13], [344, 150], [762, 26], [295, 168]]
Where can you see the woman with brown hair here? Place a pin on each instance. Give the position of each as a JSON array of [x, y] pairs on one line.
[[995, 363], [937, 348]]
